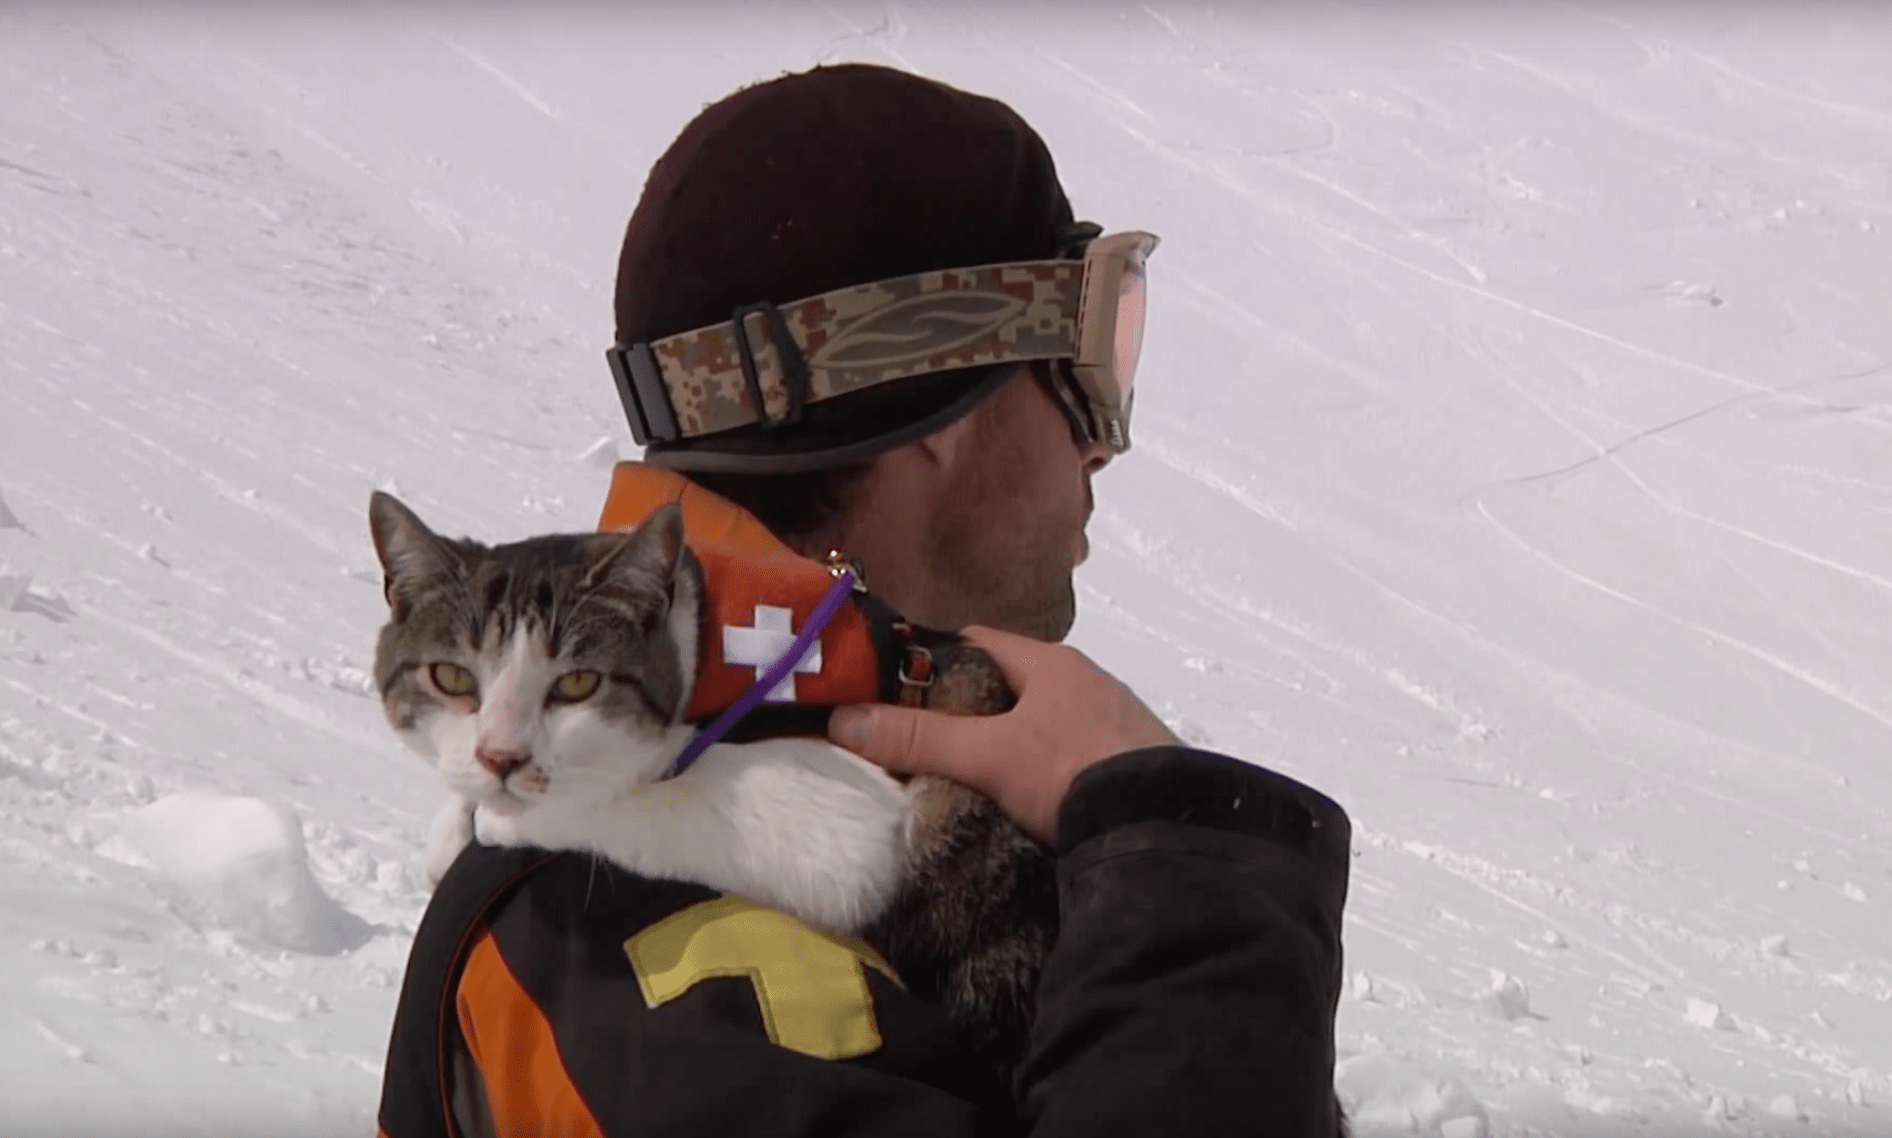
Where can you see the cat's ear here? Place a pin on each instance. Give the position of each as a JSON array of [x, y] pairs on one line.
[[652, 549], [410, 552], [662, 535]]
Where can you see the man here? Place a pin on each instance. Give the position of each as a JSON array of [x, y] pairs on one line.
[[944, 438]]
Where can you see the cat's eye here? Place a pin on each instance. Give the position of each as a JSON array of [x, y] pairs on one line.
[[574, 686], [452, 679]]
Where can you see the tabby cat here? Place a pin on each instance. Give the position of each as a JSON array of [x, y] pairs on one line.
[[547, 681]]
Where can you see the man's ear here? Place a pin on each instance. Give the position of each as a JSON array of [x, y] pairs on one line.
[[951, 443], [945, 446]]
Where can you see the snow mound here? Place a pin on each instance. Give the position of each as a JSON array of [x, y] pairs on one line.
[[1362, 987], [239, 865], [14, 585], [1708, 1014], [1384, 1094], [1508, 998], [18, 593], [1786, 1106]]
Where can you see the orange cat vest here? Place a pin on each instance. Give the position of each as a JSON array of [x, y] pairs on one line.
[[758, 594]]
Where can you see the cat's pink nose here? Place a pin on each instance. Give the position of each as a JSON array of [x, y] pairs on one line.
[[499, 761]]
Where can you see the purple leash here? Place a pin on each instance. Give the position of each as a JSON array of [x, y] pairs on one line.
[[818, 622]]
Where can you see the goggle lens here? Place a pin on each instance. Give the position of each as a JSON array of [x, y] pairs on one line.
[[1131, 304]]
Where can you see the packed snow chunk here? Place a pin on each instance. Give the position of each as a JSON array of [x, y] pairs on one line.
[[18, 594], [1786, 1106], [1774, 945], [238, 864], [1856, 1093], [1603, 1106], [1388, 1095], [9, 519], [14, 584], [1706, 1013], [1508, 998], [1693, 293]]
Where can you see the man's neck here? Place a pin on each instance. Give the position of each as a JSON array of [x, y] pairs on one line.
[[889, 568]]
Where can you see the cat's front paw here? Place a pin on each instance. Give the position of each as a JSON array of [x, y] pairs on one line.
[[447, 835]]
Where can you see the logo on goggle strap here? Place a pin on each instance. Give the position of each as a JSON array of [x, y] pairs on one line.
[[918, 328]]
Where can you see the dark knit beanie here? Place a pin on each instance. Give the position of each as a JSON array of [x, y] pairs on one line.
[[820, 180]]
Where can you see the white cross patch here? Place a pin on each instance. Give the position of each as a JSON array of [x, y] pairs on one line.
[[761, 646]]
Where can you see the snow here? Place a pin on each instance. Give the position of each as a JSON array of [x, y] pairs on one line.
[[1385, 1093], [1506, 997], [1512, 463], [238, 865], [1708, 1014]]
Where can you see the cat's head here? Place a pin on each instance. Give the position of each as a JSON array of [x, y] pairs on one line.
[[557, 666]]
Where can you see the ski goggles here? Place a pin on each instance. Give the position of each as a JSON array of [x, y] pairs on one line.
[[766, 363]]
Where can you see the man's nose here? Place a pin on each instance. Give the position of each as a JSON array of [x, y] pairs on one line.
[[500, 761]]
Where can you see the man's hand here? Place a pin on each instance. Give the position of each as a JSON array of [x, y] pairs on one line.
[[1070, 715]]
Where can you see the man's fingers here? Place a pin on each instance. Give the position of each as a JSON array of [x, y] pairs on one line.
[[908, 740]]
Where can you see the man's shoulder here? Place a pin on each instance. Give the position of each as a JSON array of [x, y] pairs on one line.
[[652, 991], [577, 934], [578, 928], [558, 993], [1209, 792]]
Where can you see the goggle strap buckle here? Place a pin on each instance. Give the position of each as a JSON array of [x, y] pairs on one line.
[[794, 365], [641, 389]]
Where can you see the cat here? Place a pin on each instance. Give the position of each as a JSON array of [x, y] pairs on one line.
[[480, 640], [547, 680]]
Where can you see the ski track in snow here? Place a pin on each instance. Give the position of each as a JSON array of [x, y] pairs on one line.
[[1512, 466]]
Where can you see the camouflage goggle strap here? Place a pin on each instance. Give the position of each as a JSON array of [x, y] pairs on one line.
[[766, 363]]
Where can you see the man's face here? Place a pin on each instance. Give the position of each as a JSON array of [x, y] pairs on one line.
[[1010, 520]]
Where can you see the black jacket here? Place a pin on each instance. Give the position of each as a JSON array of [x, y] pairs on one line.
[[1192, 990]]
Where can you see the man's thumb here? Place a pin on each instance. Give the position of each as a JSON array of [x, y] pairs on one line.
[[901, 739]]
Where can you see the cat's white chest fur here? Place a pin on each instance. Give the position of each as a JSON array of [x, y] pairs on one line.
[[797, 824]]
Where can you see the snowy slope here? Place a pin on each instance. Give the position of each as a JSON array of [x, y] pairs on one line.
[[1515, 463]]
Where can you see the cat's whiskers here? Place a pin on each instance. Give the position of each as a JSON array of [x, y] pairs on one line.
[[596, 775]]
